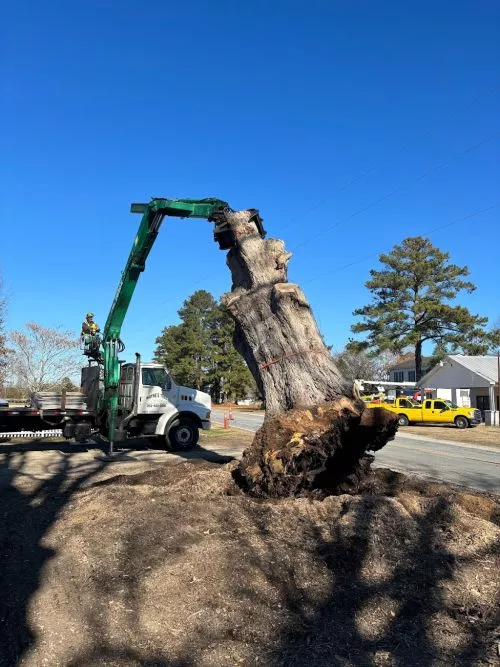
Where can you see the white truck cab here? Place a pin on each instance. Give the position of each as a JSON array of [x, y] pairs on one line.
[[151, 404], [162, 407]]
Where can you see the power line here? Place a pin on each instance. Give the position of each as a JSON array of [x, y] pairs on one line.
[[427, 133], [436, 167], [372, 255], [201, 281], [357, 178]]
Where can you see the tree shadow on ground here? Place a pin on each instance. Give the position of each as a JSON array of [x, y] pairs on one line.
[[368, 622], [127, 448], [41, 445], [151, 444], [25, 517], [29, 507], [359, 618]]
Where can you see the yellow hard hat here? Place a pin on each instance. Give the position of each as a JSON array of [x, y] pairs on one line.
[[90, 315]]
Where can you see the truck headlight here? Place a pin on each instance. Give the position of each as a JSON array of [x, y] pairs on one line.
[[207, 416]]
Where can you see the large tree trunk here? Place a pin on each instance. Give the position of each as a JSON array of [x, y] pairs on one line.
[[276, 331], [322, 441]]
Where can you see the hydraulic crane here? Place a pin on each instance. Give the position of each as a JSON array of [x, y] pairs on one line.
[[214, 210]]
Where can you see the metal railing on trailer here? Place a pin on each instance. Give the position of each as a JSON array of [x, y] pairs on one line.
[[52, 433]]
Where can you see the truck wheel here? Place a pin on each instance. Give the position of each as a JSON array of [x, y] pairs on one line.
[[461, 422], [183, 436], [403, 420]]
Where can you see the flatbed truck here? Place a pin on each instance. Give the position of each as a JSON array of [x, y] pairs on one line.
[[134, 399]]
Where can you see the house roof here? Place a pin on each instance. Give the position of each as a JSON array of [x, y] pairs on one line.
[[485, 366], [409, 364]]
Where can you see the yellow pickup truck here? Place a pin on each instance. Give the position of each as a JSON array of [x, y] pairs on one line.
[[433, 411]]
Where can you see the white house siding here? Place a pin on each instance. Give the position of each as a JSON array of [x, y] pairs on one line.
[[475, 392], [453, 375]]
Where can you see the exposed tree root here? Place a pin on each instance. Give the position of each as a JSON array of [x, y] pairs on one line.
[[317, 432], [319, 451]]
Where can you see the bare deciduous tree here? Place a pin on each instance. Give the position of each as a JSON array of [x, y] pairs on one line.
[[360, 366], [3, 340], [42, 356]]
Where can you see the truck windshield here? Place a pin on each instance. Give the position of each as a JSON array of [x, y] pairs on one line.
[[451, 405], [156, 377]]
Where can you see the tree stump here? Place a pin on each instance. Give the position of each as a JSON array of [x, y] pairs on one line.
[[316, 431]]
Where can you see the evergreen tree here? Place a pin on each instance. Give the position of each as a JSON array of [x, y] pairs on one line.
[[438, 353], [231, 379], [199, 351], [187, 348], [412, 303], [67, 384]]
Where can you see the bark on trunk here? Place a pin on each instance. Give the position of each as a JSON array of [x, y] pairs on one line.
[[276, 331], [324, 438], [418, 360]]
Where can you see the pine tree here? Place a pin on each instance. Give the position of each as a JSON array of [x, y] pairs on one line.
[[412, 303], [199, 351], [231, 379], [187, 348]]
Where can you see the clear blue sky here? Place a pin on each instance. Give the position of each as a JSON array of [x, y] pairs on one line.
[[309, 111]]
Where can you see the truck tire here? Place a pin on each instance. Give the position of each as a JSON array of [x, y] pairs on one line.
[[403, 420], [183, 436], [461, 422]]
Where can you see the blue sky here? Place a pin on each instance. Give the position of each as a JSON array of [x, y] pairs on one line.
[[359, 122]]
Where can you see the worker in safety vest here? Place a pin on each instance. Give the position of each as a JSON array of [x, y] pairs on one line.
[[89, 326]]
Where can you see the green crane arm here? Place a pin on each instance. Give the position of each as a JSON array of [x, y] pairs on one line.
[[152, 217], [153, 214]]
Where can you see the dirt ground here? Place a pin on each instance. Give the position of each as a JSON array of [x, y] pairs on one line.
[[162, 562], [478, 435]]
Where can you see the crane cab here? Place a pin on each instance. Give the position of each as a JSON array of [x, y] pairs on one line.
[[151, 404], [155, 405]]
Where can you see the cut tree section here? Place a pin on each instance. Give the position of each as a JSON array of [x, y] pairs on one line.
[[276, 331], [322, 450], [317, 431]]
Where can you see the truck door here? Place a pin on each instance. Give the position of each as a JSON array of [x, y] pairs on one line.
[[427, 411], [438, 412], [152, 401]]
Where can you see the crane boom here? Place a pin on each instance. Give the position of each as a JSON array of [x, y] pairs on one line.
[[153, 213]]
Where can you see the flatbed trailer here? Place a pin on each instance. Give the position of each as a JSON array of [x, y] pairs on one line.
[[15, 422]]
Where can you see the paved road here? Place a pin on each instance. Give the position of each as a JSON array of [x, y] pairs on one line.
[[474, 466]]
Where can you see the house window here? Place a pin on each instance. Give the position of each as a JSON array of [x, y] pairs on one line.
[[399, 376], [411, 376]]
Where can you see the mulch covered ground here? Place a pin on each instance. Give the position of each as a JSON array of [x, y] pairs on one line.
[[175, 566]]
